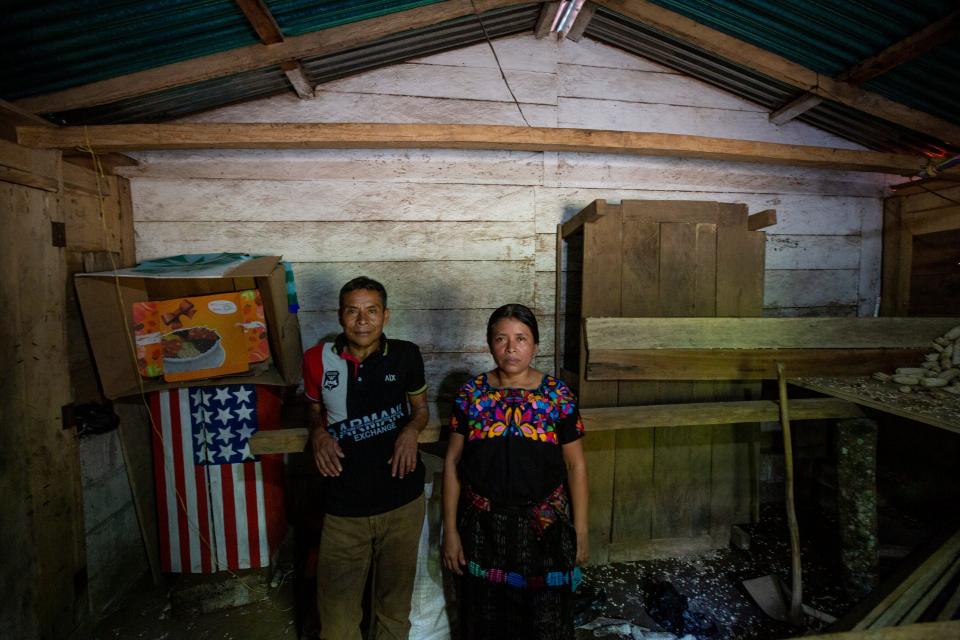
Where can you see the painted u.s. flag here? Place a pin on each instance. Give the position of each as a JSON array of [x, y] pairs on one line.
[[219, 507]]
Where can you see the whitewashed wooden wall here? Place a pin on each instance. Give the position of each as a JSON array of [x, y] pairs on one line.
[[454, 234]]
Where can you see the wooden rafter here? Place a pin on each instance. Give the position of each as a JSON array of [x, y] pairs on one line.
[[263, 22], [783, 70], [913, 46], [456, 136], [547, 11], [298, 79], [256, 56], [582, 21]]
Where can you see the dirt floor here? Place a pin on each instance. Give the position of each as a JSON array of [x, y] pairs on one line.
[[701, 596]]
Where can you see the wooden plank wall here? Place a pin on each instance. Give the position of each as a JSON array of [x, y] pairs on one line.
[[454, 234], [44, 556]]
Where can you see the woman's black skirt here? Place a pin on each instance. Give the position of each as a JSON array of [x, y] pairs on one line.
[[520, 573]]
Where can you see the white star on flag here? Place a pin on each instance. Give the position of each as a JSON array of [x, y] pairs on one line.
[[226, 452], [243, 395], [225, 425]]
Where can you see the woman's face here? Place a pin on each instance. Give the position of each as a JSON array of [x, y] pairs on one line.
[[512, 346]]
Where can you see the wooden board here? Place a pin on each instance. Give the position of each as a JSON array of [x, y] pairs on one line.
[[42, 492], [934, 407], [668, 266], [108, 138], [600, 291], [742, 364], [607, 334], [336, 241]]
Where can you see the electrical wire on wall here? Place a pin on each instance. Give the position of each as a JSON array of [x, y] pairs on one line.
[[497, 59]]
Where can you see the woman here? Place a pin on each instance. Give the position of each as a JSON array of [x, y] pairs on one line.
[[513, 470]]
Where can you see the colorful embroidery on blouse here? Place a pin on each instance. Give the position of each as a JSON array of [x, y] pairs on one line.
[[493, 413], [541, 515]]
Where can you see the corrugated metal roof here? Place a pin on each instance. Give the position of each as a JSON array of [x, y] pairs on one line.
[[452, 34], [830, 36], [48, 46], [827, 36], [614, 29], [193, 98], [55, 45], [296, 17]]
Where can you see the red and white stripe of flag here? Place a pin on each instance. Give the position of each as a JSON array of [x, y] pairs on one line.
[[213, 517]]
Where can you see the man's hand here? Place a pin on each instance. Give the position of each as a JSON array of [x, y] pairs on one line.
[[326, 452], [404, 458]]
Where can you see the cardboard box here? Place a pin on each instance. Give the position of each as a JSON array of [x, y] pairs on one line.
[[105, 303]]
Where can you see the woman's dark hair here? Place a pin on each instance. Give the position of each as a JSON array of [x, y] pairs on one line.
[[517, 312], [363, 282]]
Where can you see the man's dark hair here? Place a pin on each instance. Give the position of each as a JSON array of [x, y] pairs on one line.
[[517, 312], [363, 282]]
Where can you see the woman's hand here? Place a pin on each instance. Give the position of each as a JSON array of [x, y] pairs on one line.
[[452, 553], [583, 548]]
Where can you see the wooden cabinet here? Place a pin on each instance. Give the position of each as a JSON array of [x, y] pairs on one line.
[[661, 491]]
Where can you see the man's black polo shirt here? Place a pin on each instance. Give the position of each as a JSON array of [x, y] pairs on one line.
[[365, 406]]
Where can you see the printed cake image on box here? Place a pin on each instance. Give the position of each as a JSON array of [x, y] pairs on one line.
[[150, 326], [192, 338]]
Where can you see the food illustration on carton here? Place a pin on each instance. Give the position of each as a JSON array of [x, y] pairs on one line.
[[200, 336]]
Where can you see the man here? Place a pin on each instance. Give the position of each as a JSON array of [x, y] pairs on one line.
[[368, 406]]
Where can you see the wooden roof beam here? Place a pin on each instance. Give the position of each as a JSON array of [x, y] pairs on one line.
[[262, 21], [913, 46], [545, 20], [298, 79], [783, 70], [108, 138], [581, 22], [255, 56]]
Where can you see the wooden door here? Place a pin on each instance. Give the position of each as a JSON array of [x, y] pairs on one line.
[[921, 251], [670, 490]]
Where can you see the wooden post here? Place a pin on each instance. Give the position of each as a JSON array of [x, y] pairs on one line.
[[796, 592], [857, 504]]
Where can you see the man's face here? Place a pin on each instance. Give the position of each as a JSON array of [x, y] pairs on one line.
[[363, 317]]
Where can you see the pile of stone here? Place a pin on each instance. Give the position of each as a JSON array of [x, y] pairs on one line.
[[940, 369]]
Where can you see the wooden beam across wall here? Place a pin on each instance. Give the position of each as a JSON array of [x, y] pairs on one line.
[[256, 56], [107, 138], [293, 440], [781, 69]]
